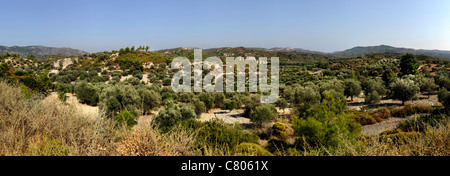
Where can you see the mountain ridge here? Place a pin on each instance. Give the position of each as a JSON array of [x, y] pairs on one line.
[[40, 50], [365, 50], [358, 51]]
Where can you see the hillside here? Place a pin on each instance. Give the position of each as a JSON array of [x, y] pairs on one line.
[[361, 51], [286, 55], [39, 51]]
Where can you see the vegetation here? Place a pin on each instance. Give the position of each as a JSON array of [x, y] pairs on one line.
[[137, 112]]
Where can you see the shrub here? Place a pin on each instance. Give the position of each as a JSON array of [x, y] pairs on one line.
[[48, 147], [207, 99], [409, 64], [400, 137], [32, 84], [399, 112], [251, 149], [417, 108], [199, 106], [216, 133], [263, 113], [86, 93], [185, 97], [382, 113], [219, 98], [333, 103], [62, 96], [325, 132], [279, 130], [230, 104], [172, 115], [276, 145], [444, 97], [282, 103], [421, 123], [167, 118], [279, 127], [125, 117], [364, 119]]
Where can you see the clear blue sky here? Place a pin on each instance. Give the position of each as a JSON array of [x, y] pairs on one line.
[[322, 25]]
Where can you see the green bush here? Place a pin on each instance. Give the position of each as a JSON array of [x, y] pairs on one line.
[[230, 104], [325, 132], [86, 93], [251, 149], [372, 98], [279, 127], [172, 115], [125, 117], [409, 64], [207, 99], [444, 97], [219, 98], [62, 96], [216, 133], [263, 114], [199, 106]]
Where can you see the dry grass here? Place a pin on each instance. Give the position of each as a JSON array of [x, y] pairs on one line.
[[149, 142], [30, 127]]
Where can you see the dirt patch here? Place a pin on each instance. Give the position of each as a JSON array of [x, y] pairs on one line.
[[234, 116], [145, 78], [91, 111], [123, 78]]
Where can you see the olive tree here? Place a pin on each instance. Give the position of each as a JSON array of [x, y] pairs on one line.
[[263, 113], [86, 93], [409, 64], [425, 84], [149, 99], [403, 89], [352, 88]]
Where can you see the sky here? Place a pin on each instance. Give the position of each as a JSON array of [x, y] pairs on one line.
[[318, 25]]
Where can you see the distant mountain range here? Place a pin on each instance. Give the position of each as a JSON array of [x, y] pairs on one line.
[[361, 51], [39, 51], [279, 49]]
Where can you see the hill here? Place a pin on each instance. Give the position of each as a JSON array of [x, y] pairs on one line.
[[361, 51], [286, 55], [39, 50]]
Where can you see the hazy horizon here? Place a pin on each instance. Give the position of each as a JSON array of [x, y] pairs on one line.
[[325, 26]]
